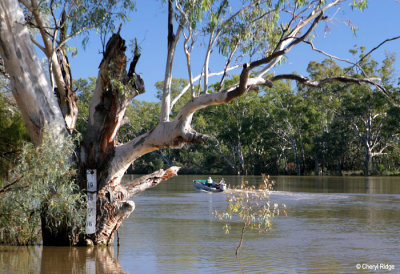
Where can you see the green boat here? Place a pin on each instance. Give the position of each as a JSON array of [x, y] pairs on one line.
[[205, 185]]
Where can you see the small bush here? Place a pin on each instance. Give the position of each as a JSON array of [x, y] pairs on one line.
[[41, 186], [250, 206]]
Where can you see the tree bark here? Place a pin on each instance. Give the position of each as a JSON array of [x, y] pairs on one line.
[[30, 86], [113, 204], [295, 155], [367, 162], [317, 165]]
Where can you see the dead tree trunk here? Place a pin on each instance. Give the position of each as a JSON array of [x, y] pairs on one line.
[[115, 88]]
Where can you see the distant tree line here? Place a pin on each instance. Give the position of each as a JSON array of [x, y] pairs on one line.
[[287, 129], [290, 129]]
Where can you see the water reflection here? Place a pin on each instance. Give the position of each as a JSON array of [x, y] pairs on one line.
[[38, 259], [20, 259], [333, 224], [314, 184]]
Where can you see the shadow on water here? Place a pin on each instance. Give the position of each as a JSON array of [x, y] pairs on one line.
[[39, 259]]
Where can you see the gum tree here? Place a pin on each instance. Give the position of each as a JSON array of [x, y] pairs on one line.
[[253, 36], [370, 114]]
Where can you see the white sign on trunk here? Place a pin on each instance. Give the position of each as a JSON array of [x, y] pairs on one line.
[[91, 177]]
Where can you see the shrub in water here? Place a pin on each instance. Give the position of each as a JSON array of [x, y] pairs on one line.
[[41, 190], [251, 207]]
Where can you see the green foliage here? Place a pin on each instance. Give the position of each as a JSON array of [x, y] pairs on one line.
[[289, 129], [84, 90], [12, 133], [251, 207], [82, 17], [41, 186], [143, 116], [286, 129], [98, 14], [149, 163], [359, 4]]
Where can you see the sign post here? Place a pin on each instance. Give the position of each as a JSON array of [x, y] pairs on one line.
[[91, 178]]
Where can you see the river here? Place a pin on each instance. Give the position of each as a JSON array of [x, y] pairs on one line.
[[334, 225]]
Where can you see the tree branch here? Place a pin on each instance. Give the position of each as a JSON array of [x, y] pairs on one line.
[[292, 42], [183, 91], [172, 42], [6, 187], [289, 41], [319, 83], [139, 185], [335, 57], [372, 50]]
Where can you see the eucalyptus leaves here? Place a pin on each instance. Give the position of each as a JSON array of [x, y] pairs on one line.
[[41, 193], [251, 206]]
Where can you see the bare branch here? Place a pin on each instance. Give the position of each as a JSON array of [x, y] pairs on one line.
[[375, 48], [186, 48], [215, 34], [175, 100], [319, 83], [335, 57], [343, 79], [26, 5], [293, 41], [151, 180], [221, 83], [38, 45], [7, 187], [62, 43], [289, 41]]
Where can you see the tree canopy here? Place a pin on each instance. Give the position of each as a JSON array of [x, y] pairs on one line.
[[252, 36]]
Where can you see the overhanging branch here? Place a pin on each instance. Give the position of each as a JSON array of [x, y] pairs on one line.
[[319, 83], [342, 79], [372, 50], [150, 180]]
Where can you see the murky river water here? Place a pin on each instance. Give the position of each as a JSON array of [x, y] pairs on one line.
[[334, 225]]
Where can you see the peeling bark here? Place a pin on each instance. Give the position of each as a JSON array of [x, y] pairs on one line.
[[114, 205], [68, 100], [30, 87], [115, 88]]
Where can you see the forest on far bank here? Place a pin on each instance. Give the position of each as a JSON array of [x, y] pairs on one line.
[[289, 129]]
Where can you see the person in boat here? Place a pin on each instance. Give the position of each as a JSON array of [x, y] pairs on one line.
[[222, 181], [209, 181]]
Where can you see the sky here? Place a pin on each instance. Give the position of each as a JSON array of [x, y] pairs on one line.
[[381, 20]]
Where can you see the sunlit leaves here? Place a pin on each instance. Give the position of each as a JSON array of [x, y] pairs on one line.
[[84, 90], [251, 206], [84, 15], [253, 28], [359, 4], [98, 13]]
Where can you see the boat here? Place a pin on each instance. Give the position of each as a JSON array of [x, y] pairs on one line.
[[204, 185]]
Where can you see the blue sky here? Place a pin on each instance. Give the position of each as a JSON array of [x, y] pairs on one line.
[[381, 20]]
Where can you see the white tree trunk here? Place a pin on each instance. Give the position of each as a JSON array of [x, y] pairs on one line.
[[30, 86]]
